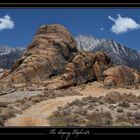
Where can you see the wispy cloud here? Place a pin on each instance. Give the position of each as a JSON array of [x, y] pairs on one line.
[[6, 23], [123, 24], [101, 29]]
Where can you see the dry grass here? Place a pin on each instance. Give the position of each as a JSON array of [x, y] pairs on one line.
[[114, 109], [8, 110]]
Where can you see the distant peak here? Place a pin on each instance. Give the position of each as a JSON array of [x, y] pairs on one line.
[[121, 54]]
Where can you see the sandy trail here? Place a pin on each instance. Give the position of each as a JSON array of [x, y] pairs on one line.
[[37, 114]]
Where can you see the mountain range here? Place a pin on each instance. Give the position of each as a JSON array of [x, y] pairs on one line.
[[119, 53], [8, 55]]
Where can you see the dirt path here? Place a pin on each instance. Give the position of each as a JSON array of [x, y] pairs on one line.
[[37, 114]]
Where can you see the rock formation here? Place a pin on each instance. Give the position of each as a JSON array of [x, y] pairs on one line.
[[4, 73], [52, 59], [51, 49], [85, 67], [121, 76]]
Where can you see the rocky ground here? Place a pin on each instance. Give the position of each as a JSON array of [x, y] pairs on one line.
[[113, 109], [14, 103], [85, 105]]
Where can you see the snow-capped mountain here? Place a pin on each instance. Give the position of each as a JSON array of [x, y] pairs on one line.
[[119, 53], [8, 55], [6, 50]]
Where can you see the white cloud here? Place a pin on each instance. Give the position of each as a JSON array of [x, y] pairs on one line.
[[6, 23], [101, 29], [123, 24]]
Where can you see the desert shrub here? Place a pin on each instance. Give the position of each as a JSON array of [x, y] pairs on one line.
[[63, 119], [94, 99], [113, 97], [77, 103], [83, 86], [3, 104], [1, 121], [101, 102], [98, 111], [120, 110], [35, 100], [56, 120], [112, 107], [130, 97], [124, 104], [25, 106], [136, 116], [74, 119], [99, 119], [80, 111], [129, 114], [7, 113], [123, 121], [86, 99]]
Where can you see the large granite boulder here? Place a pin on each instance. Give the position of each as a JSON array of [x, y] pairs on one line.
[[48, 54], [121, 76]]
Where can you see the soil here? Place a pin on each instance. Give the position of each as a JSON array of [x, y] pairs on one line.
[[39, 113]]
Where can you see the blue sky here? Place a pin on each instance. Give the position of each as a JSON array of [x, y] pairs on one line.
[[18, 26]]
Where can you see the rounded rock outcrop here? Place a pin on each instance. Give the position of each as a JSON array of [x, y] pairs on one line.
[[51, 49], [121, 75]]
